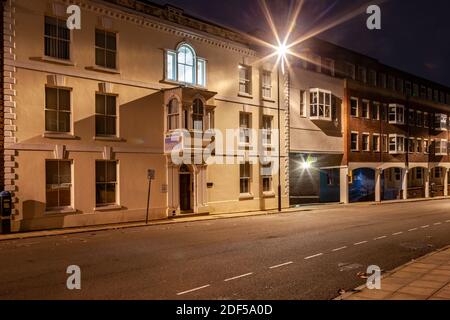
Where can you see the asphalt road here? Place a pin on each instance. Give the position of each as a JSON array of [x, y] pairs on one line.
[[299, 255]]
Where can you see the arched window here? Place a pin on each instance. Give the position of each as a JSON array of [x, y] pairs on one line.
[[173, 115], [184, 66], [197, 115]]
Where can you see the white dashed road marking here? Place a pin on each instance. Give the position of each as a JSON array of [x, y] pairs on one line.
[[438, 223], [397, 233], [424, 227], [314, 256], [358, 243], [281, 265], [413, 229], [379, 238], [339, 249], [239, 277], [192, 290]]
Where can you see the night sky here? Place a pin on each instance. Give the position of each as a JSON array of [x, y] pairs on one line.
[[415, 35]]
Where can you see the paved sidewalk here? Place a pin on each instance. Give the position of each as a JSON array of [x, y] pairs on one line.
[[427, 278]]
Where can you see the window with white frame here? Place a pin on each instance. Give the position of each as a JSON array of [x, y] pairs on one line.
[[426, 146], [266, 176], [245, 177], [266, 84], [385, 143], [173, 115], [105, 183], [209, 119], [354, 107], [419, 146], [302, 103], [365, 142], [184, 66], [320, 104], [244, 127], [267, 130], [376, 143], [440, 122], [365, 109], [245, 79], [396, 114], [58, 184], [440, 147], [354, 143], [396, 144]]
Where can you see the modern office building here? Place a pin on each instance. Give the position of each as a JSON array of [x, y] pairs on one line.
[[88, 112]]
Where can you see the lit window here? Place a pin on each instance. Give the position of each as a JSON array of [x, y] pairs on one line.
[[245, 79], [396, 114], [173, 115], [396, 144], [58, 184], [426, 146], [244, 127], [57, 110], [197, 115], [440, 122], [245, 176], [57, 38], [354, 107], [105, 183], [105, 115], [266, 84], [320, 104], [441, 147], [105, 49], [184, 66]]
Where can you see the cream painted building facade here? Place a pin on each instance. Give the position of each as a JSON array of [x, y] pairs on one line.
[[88, 112]]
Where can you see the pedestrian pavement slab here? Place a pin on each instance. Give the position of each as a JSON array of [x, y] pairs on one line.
[[427, 278]]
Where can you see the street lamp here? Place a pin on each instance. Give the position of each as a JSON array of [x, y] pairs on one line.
[[281, 51]]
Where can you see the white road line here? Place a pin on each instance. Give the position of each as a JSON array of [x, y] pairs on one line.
[[339, 249], [192, 290], [379, 238], [358, 243], [239, 277], [314, 256], [413, 229], [397, 233], [281, 265], [438, 223], [424, 227], [447, 221]]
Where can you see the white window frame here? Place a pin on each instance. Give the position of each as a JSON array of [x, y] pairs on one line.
[[266, 87], [323, 111], [441, 122], [399, 110], [357, 107], [441, 147], [378, 107], [367, 115], [357, 141], [246, 82], [245, 132], [399, 142], [365, 135], [378, 138], [385, 143]]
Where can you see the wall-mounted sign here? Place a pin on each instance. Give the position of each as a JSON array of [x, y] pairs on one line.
[[171, 141]]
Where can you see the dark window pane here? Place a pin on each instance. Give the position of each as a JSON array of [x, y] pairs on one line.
[[111, 193], [111, 171], [100, 57], [110, 59], [64, 100], [64, 197], [51, 47], [50, 27], [65, 172], [100, 194], [111, 126], [111, 41], [100, 39], [50, 98], [51, 172], [51, 123], [52, 198], [100, 171], [64, 122], [100, 104], [100, 128], [111, 105]]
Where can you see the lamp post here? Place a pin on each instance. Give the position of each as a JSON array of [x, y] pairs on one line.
[[281, 51]]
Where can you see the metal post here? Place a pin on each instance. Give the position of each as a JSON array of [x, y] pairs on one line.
[[148, 199], [279, 142]]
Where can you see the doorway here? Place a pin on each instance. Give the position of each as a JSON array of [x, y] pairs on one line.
[[185, 189]]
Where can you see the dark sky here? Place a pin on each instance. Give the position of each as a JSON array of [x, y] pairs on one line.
[[415, 34]]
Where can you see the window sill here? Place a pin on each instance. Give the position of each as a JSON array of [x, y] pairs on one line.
[[269, 194], [246, 196], [60, 211], [65, 136], [185, 84], [269, 100], [55, 61], [245, 95], [111, 139], [108, 208], [103, 69]]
